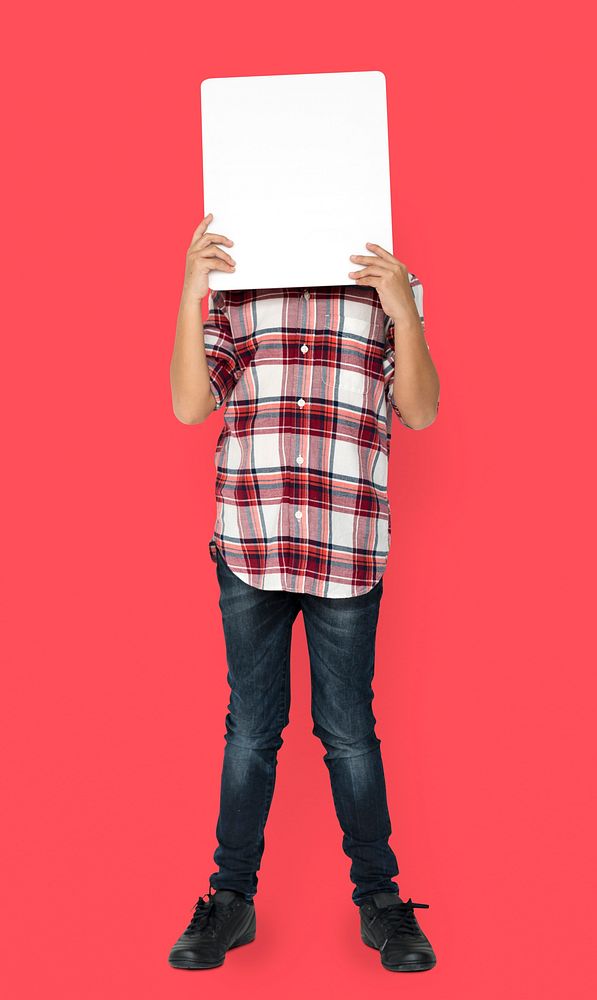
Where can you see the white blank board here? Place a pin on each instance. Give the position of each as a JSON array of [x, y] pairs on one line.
[[296, 171]]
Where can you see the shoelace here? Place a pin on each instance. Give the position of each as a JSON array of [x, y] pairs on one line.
[[206, 916], [400, 917]]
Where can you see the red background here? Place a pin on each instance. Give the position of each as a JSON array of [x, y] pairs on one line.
[[114, 688]]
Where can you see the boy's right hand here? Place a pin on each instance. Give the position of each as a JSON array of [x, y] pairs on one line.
[[204, 256]]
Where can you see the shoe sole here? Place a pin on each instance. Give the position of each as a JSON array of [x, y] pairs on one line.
[[246, 939], [404, 966]]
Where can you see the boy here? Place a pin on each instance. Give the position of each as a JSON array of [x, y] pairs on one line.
[[310, 378]]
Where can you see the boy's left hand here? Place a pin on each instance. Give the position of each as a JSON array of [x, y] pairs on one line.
[[390, 277]]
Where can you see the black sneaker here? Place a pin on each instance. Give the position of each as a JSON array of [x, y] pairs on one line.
[[222, 922], [389, 924]]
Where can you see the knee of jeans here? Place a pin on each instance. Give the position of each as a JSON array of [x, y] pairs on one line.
[[248, 734], [346, 744]]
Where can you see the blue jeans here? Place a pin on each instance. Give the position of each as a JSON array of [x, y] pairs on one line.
[[341, 641]]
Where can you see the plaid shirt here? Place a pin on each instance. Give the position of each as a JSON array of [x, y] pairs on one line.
[[302, 458]]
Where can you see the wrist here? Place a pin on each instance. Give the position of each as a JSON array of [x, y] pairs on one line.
[[190, 297], [408, 328]]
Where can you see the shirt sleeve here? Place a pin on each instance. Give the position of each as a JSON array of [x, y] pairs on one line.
[[389, 360], [220, 352]]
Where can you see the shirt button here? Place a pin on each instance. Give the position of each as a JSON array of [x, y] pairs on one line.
[[304, 348], [298, 514], [301, 402], [299, 459]]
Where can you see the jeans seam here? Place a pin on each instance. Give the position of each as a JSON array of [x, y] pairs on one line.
[[280, 720]]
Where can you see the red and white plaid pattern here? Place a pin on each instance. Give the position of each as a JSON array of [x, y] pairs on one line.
[[302, 459]]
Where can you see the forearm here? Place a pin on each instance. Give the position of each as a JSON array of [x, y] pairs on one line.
[[416, 382], [192, 398]]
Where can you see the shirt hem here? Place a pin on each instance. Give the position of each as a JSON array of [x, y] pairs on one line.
[[214, 544]]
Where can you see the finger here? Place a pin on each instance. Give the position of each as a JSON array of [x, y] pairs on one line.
[[372, 281], [368, 271], [207, 238], [202, 226], [360, 259], [216, 252], [213, 252], [380, 250], [220, 265]]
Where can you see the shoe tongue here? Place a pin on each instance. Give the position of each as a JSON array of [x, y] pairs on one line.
[[224, 896], [386, 898]]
